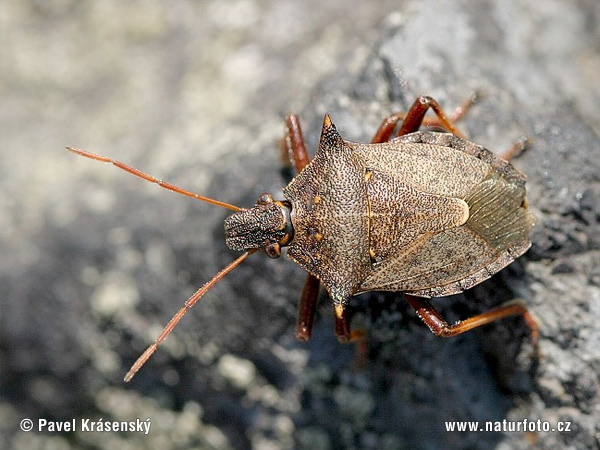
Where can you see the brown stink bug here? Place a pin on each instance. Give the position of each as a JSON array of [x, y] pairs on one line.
[[424, 213]]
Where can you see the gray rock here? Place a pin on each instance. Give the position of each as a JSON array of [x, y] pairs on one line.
[[94, 262]]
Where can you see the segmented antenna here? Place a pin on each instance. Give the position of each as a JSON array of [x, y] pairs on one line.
[[200, 292], [177, 317], [151, 179]]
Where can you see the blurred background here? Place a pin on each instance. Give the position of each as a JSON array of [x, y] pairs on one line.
[[94, 261]]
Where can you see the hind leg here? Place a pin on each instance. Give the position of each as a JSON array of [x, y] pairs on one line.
[[415, 118], [440, 327]]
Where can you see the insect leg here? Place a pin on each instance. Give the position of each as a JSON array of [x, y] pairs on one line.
[[440, 327], [416, 114], [342, 324], [415, 118], [345, 335], [294, 143], [516, 149], [307, 307]]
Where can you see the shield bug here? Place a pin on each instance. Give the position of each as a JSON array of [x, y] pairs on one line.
[[425, 213]]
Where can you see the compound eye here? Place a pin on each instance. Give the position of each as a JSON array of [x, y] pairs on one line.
[[264, 199], [273, 250]]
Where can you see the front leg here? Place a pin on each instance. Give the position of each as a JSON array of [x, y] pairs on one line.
[[296, 149]]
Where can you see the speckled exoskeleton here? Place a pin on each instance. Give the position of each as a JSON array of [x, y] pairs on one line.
[[425, 213]]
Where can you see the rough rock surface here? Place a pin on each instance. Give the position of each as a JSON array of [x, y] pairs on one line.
[[94, 262]]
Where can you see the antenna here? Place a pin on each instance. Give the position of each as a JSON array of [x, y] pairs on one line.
[[151, 179], [177, 317], [200, 292]]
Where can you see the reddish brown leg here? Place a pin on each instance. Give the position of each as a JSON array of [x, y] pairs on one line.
[[515, 149], [415, 118], [342, 324], [344, 335], [307, 307], [294, 143], [440, 327], [342, 327]]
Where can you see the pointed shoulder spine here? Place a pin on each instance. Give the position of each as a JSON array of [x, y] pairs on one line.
[[330, 138]]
